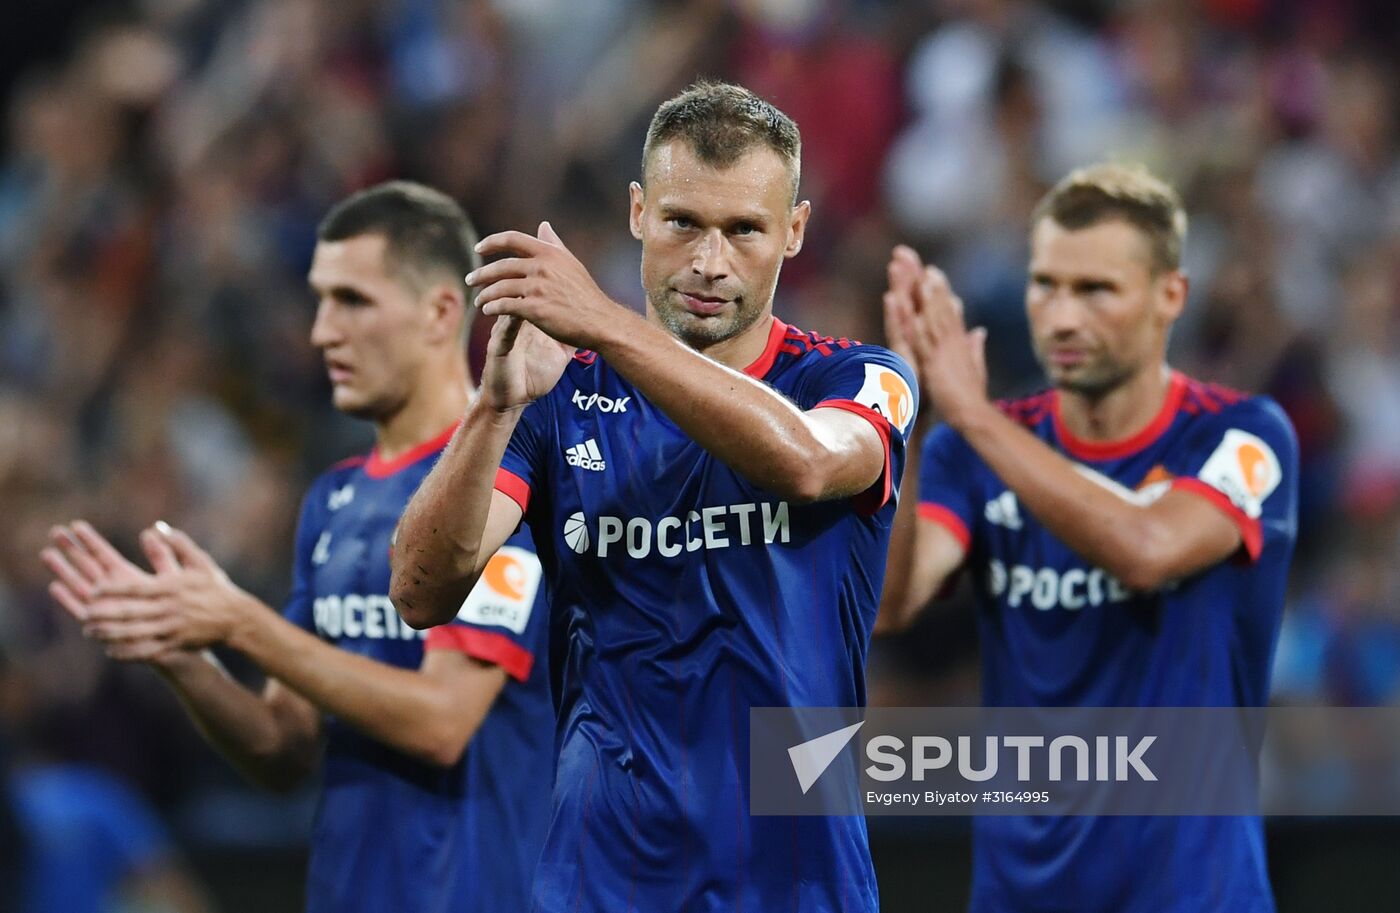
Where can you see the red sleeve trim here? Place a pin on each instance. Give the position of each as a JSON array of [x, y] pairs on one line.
[[1251, 533], [487, 646], [950, 521], [513, 487], [870, 501]]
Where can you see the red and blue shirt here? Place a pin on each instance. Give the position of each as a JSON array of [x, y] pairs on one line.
[[1056, 631], [682, 595], [393, 832]]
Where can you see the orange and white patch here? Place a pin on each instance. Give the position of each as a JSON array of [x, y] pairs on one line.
[[887, 393], [505, 594], [1244, 469]]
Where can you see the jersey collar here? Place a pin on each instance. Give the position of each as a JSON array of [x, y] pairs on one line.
[[379, 468], [1116, 450], [764, 363]]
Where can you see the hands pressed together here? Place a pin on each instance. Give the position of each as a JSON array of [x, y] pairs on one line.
[[184, 603], [549, 307], [924, 326]]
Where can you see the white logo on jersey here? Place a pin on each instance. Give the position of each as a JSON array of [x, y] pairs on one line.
[[1045, 588], [339, 497], [1003, 511], [505, 594], [354, 615], [576, 532], [322, 552], [887, 393], [604, 403], [585, 456], [708, 528], [1244, 469]]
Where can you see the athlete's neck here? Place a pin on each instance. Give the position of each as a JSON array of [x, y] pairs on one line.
[[1121, 412], [434, 406], [738, 352]]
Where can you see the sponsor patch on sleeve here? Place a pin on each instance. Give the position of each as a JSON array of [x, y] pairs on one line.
[[505, 594], [1244, 469], [887, 393]]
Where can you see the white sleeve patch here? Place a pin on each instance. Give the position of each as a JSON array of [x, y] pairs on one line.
[[1244, 469], [887, 393], [505, 594]]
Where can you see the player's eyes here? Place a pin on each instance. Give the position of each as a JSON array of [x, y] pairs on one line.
[[681, 222]]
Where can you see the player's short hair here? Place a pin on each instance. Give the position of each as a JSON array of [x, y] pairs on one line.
[[427, 235], [1131, 193], [720, 122]]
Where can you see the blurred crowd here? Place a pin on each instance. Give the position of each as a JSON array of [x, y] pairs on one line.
[[160, 187]]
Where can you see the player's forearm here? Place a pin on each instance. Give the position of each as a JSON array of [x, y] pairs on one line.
[[746, 424], [902, 596], [438, 554], [398, 707], [238, 723], [1100, 525]]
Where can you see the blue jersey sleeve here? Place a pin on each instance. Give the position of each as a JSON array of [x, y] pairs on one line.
[[877, 385], [1244, 459], [522, 465], [298, 607], [503, 620], [946, 493]]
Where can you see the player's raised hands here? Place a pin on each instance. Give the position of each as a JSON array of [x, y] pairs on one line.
[[903, 273], [541, 281], [188, 603], [82, 562], [950, 360], [522, 364]]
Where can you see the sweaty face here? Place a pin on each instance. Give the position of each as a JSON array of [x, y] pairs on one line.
[[369, 327], [1097, 314], [714, 240]]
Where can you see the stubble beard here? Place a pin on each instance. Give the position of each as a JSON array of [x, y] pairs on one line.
[[702, 332]]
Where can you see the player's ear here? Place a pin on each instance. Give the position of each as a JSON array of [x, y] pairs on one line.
[[634, 216], [797, 228], [446, 311], [1172, 290]]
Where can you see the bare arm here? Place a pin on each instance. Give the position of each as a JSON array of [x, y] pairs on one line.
[[454, 523], [430, 713], [1143, 545], [456, 520], [272, 739], [815, 455], [923, 556]]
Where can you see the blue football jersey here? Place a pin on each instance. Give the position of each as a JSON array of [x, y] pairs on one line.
[[682, 594], [393, 832], [1057, 631]]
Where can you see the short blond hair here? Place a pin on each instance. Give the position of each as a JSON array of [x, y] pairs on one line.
[[1100, 193]]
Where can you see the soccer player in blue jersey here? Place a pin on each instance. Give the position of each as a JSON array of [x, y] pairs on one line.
[[438, 750], [1128, 533], [711, 492]]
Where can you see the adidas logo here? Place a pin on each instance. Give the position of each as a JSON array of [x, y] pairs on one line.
[[585, 456], [1002, 511]]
